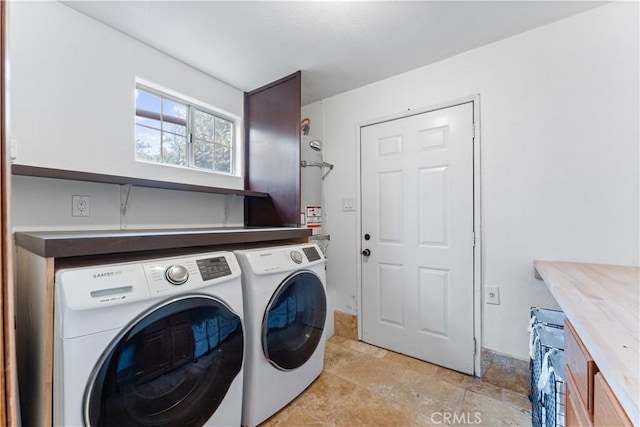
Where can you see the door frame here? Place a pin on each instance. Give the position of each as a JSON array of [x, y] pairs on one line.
[[477, 212]]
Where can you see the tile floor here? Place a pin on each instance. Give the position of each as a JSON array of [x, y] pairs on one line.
[[367, 386]]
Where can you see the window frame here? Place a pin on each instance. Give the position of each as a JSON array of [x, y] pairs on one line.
[[192, 106]]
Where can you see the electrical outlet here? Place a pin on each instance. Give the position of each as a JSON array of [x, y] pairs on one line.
[[492, 295], [80, 205]]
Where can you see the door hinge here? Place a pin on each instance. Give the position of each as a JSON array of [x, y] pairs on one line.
[[475, 346], [473, 238]]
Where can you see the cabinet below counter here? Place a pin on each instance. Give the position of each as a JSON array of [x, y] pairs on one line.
[[602, 305]]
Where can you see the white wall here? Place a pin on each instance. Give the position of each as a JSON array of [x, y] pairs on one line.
[[72, 84], [560, 154], [72, 107], [45, 204]]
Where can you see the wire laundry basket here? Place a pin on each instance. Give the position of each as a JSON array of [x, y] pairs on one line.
[[554, 390], [546, 328]]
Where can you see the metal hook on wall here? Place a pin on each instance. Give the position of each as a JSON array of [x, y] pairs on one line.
[[329, 166]]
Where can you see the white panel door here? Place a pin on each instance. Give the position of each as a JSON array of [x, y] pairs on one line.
[[417, 223]]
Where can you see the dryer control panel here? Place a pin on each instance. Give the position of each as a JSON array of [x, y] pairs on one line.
[[285, 258]]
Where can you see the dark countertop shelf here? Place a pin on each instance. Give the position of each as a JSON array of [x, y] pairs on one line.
[[60, 244]]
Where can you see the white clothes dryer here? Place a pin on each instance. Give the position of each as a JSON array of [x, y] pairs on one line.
[[155, 343], [285, 312]]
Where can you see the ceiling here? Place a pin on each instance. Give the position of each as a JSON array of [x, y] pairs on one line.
[[339, 46]]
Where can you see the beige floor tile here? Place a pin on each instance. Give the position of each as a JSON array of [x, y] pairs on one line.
[[316, 403], [366, 408], [483, 388], [492, 412], [278, 418], [327, 392], [371, 373], [517, 400], [469, 382], [411, 363], [336, 339], [296, 417], [446, 419], [365, 386], [423, 420], [363, 347], [426, 394], [336, 356]]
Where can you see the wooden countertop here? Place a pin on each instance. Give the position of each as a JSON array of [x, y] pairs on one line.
[[58, 244], [603, 304]]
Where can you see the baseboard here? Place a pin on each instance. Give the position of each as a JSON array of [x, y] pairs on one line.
[[346, 325], [505, 371]]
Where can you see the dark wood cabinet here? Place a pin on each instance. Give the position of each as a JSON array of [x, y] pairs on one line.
[[272, 153]]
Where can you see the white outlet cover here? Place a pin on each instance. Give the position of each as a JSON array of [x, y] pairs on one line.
[[492, 295], [80, 205]]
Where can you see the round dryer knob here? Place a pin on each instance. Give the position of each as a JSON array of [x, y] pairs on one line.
[[296, 257], [176, 274]]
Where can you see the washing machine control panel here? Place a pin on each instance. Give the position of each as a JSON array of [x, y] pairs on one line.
[[169, 276], [213, 268], [176, 274]]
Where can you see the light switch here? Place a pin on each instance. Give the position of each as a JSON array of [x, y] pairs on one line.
[[348, 204]]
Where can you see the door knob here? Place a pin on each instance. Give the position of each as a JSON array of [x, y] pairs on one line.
[[366, 252]]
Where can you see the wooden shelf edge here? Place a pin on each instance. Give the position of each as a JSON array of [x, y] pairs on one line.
[[42, 172]]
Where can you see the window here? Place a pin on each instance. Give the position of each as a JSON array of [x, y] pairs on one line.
[[175, 132]]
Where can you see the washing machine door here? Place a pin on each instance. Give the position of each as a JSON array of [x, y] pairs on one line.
[[294, 320], [172, 366]]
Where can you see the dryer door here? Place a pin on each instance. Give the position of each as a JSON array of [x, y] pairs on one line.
[[294, 320], [172, 366]]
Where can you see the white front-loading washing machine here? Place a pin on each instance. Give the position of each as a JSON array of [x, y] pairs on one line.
[[285, 312], [156, 343]]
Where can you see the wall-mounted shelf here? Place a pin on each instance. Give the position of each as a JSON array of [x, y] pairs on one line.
[[123, 180]]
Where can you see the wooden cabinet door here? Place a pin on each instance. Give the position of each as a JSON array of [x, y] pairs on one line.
[[272, 156], [575, 411], [581, 364], [607, 411]]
